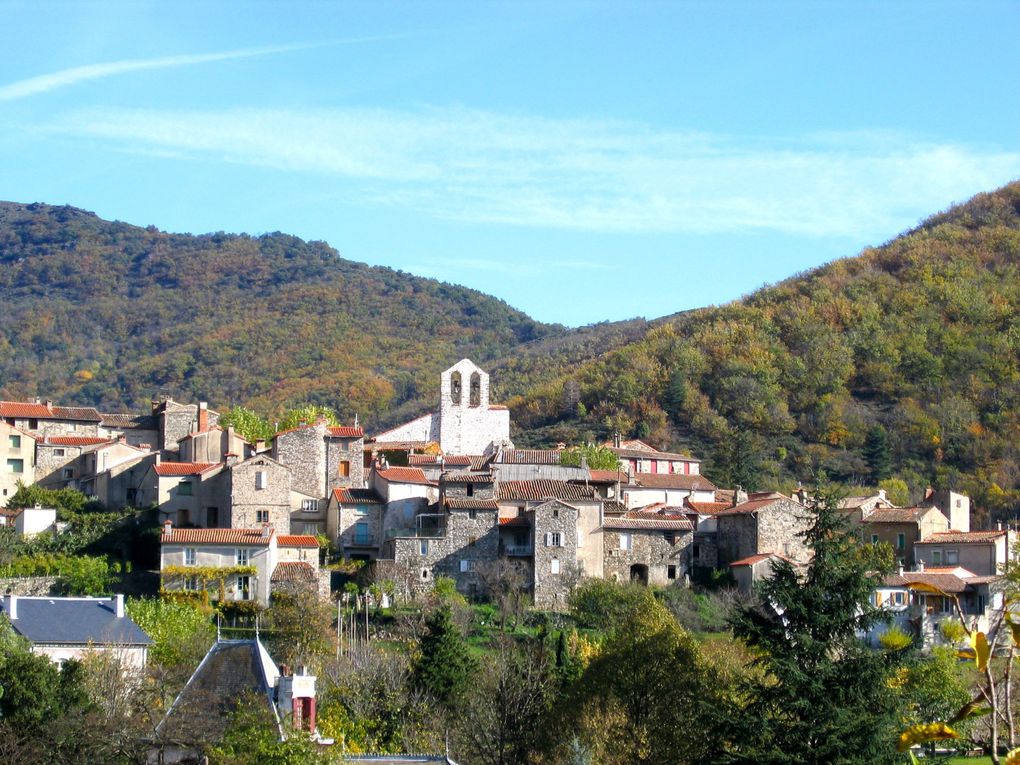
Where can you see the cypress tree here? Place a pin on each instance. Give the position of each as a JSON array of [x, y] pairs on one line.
[[444, 666], [876, 453]]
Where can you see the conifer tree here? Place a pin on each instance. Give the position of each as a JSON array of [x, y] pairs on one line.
[[444, 666], [876, 453]]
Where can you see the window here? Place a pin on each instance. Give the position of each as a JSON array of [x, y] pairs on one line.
[[15, 442], [241, 556], [261, 479], [423, 547], [959, 503], [360, 509], [58, 452], [952, 557], [424, 573], [472, 513], [261, 516], [556, 512], [344, 469], [189, 556], [696, 552], [553, 539], [16, 466], [67, 473], [874, 539], [936, 557], [467, 565], [555, 566], [243, 587], [671, 572], [33, 424], [901, 541], [898, 598], [191, 583], [580, 538], [626, 541], [212, 516], [470, 490], [184, 489], [309, 506]]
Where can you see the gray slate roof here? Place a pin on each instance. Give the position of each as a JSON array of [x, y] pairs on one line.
[[75, 621]]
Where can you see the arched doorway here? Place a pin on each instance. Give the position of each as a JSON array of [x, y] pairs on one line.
[[639, 574]]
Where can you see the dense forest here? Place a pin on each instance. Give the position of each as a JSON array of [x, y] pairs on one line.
[[898, 364], [901, 362]]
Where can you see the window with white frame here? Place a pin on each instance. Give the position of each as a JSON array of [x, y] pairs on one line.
[[553, 539], [554, 566], [191, 583], [466, 566], [261, 516], [626, 541], [58, 452], [309, 506], [423, 546], [952, 557], [190, 556], [243, 587], [261, 479], [241, 556]]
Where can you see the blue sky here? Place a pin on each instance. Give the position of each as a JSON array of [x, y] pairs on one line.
[[582, 161]]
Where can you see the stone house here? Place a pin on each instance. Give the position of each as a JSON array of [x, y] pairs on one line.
[[985, 553], [638, 457], [406, 493], [434, 465], [859, 507], [555, 569], [183, 491], [322, 457], [17, 459], [176, 421], [213, 445], [117, 485], [748, 571], [141, 430], [902, 527], [254, 492], [953, 505], [465, 423], [766, 522], [42, 418], [647, 548], [59, 462], [533, 464], [70, 628], [354, 519]]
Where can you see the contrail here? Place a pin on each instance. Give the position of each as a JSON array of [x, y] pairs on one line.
[[66, 77]]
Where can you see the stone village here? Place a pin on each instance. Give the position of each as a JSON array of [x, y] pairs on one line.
[[447, 494]]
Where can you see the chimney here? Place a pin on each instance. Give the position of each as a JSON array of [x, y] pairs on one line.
[[920, 566], [203, 416], [616, 439], [118, 604], [12, 607], [167, 526], [159, 458], [739, 496], [901, 569]]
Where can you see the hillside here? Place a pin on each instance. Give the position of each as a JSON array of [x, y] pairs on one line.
[[901, 361], [103, 313]]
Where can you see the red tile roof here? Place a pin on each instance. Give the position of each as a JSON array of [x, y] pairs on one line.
[[80, 413], [396, 446], [672, 481], [519, 520], [428, 460], [293, 571], [357, 496], [759, 501], [405, 475], [535, 491], [608, 476], [946, 582], [183, 468], [296, 540], [19, 409], [78, 440], [34, 411], [470, 503], [962, 537], [216, 536], [707, 508], [643, 454], [345, 431], [528, 457], [751, 560], [463, 476], [653, 522], [897, 514]]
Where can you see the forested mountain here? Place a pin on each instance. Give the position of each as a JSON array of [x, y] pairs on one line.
[[901, 361], [103, 313]]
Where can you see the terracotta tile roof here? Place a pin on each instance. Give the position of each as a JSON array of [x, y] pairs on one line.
[[607, 476], [77, 440], [852, 503], [419, 460], [516, 521], [183, 468], [962, 537], [466, 477], [80, 413], [345, 431], [405, 475], [129, 421], [396, 446], [293, 571], [18, 409], [470, 503], [357, 496], [296, 540], [754, 503], [950, 583], [897, 515], [707, 508], [216, 536], [653, 522], [643, 454], [752, 559], [478, 461], [528, 457], [612, 506], [672, 481], [458, 460], [538, 490]]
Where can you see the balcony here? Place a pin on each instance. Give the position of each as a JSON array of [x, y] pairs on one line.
[[517, 551]]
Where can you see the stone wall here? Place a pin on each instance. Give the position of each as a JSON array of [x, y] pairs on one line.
[[304, 452], [555, 562], [50, 460], [175, 422], [736, 538], [341, 450], [780, 530], [247, 500], [28, 586]]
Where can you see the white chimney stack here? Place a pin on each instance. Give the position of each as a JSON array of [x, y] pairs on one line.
[[12, 607], [118, 601]]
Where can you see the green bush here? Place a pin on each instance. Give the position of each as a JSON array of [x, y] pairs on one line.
[[602, 605]]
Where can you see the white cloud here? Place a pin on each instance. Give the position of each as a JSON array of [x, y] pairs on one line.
[[590, 175]]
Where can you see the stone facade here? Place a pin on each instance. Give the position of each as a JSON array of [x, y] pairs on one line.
[[259, 493], [772, 524], [646, 555], [303, 450], [30, 585], [178, 420], [56, 464], [345, 462], [555, 560]]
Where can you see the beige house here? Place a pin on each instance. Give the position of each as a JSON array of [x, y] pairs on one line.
[[17, 460], [183, 491], [985, 553], [903, 527], [224, 549]]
